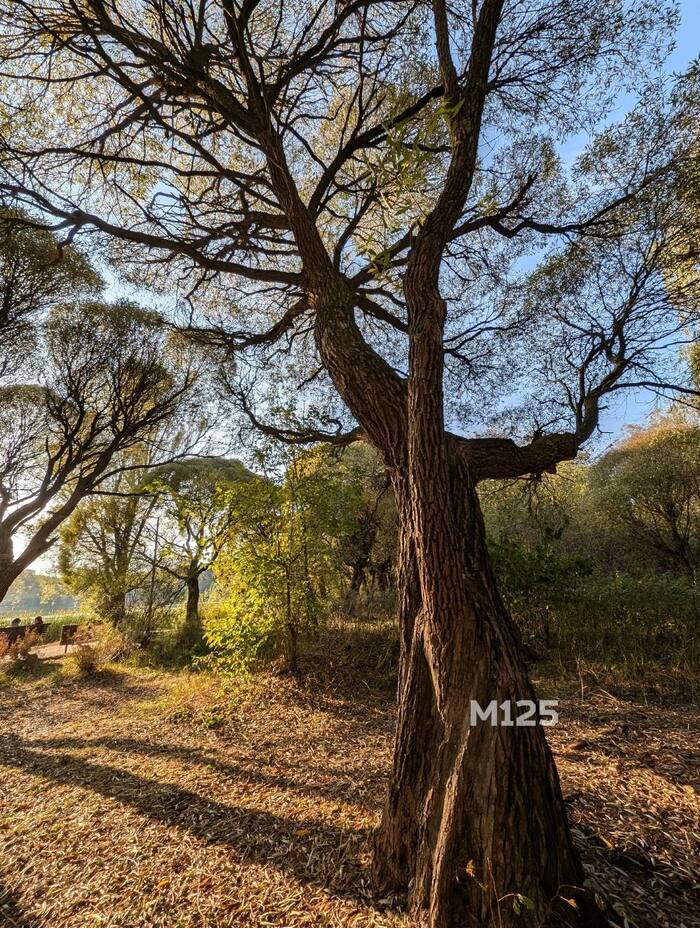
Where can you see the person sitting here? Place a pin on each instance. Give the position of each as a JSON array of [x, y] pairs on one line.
[[38, 626], [15, 631]]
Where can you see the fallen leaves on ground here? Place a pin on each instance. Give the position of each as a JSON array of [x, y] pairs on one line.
[[145, 800]]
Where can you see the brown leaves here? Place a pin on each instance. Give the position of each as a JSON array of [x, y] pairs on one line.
[[117, 817], [121, 808]]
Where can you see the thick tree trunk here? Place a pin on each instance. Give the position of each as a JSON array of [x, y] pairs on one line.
[[6, 560], [475, 813], [8, 568], [418, 734], [7, 578], [475, 817]]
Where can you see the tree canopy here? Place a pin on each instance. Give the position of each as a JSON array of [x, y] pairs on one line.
[[102, 386], [282, 144], [650, 485], [374, 196], [36, 274]]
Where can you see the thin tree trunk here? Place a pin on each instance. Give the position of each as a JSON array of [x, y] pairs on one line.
[[192, 629], [356, 582], [192, 608], [292, 634], [114, 608]]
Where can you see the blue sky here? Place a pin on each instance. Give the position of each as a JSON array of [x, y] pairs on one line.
[[633, 409], [688, 41]]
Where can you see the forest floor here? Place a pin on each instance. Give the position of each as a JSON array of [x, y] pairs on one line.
[[144, 799]]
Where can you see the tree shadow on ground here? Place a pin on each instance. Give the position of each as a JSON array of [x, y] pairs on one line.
[[11, 913], [638, 739], [340, 787], [95, 692], [264, 837], [30, 670], [350, 675]]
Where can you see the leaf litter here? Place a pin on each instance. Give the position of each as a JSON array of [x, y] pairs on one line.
[[153, 800]]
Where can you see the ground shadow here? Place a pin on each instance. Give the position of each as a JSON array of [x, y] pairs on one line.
[[340, 788], [11, 913], [94, 693], [627, 735], [31, 669], [276, 840], [358, 664]]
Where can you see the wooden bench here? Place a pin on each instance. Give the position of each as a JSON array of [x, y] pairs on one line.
[[19, 631], [13, 632], [68, 633]]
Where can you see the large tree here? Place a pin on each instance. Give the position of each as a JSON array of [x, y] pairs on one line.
[[101, 386], [101, 544], [360, 189]]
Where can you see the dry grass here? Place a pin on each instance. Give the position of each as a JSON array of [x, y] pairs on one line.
[[146, 799]]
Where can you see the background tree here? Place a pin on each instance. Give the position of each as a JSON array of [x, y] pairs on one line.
[[198, 506], [367, 541], [648, 487], [101, 544], [35, 276], [102, 388], [357, 184], [284, 561], [37, 593]]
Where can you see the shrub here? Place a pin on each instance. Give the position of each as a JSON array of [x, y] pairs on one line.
[[19, 651], [568, 603], [96, 648], [240, 639]]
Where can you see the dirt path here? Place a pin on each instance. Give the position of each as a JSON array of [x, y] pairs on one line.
[[132, 801], [47, 652]]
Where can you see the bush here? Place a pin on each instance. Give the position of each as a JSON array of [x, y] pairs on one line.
[[619, 617], [14, 654], [160, 639], [569, 604], [92, 656], [240, 640]]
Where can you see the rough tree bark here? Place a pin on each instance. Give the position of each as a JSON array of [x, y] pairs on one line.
[[6, 562], [474, 814], [461, 799]]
